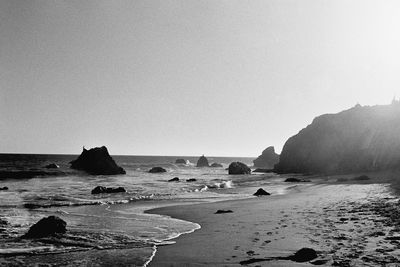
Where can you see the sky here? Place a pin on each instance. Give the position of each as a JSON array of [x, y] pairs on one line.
[[220, 78]]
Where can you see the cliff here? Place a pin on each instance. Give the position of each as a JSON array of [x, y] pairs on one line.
[[267, 159], [355, 140]]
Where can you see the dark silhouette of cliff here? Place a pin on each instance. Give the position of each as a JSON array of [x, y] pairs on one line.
[[358, 139], [267, 159]]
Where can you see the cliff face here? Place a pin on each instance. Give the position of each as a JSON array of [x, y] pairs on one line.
[[267, 159], [358, 139]]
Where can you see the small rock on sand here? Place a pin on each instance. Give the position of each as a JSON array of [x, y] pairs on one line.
[[261, 192], [223, 211], [303, 255]]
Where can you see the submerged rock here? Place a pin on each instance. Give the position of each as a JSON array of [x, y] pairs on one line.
[[49, 226], [303, 255], [175, 179], [238, 168], [261, 192], [103, 189], [52, 166], [157, 170], [97, 161], [216, 165], [180, 161], [267, 159], [202, 162], [296, 180]]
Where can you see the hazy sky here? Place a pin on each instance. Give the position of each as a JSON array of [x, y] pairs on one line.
[[221, 78]]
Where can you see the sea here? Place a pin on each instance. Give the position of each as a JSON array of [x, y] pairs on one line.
[[109, 229]]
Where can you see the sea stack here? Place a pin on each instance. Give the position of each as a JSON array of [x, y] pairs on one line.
[[97, 161], [238, 168], [267, 159], [202, 162]]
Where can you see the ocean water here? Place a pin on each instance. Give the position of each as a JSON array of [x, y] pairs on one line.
[[108, 229]]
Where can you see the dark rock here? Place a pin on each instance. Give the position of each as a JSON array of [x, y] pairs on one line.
[[359, 139], [238, 168], [296, 180], [361, 178], [4, 188], [267, 159], [97, 161], [191, 180], [202, 162], [103, 189], [303, 255], [180, 161], [261, 192], [223, 211], [264, 170], [49, 226], [175, 179], [216, 165], [157, 170], [52, 166]]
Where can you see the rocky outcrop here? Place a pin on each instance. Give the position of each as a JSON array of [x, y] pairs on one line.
[[157, 170], [216, 165], [180, 161], [267, 159], [202, 162], [238, 168], [49, 226], [356, 140], [97, 161], [103, 189]]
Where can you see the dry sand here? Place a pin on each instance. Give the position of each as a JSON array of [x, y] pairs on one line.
[[347, 224]]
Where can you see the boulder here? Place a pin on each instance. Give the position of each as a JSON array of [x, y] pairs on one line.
[[267, 159], [303, 255], [216, 165], [97, 161], [180, 161], [175, 179], [52, 166], [157, 170], [191, 180], [261, 192], [103, 189], [202, 162], [238, 168], [296, 180], [49, 226]]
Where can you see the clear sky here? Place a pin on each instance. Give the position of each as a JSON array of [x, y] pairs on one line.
[[220, 78]]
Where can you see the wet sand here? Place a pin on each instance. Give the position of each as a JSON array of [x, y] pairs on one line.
[[347, 224]]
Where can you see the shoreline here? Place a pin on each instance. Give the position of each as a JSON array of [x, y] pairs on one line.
[[266, 228]]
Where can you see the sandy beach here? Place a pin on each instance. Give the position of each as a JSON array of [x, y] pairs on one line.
[[347, 224]]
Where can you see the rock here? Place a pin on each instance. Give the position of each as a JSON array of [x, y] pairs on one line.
[[263, 170], [296, 180], [103, 189], [180, 161], [49, 226], [52, 166], [223, 211], [261, 192], [4, 188], [267, 159], [175, 179], [97, 161], [157, 170], [359, 139], [216, 165], [361, 178], [238, 168], [202, 162], [303, 255], [191, 180]]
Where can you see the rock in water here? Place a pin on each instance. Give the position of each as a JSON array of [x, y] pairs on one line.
[[296, 180], [261, 192], [202, 162], [4, 188], [103, 189], [267, 159], [191, 180], [97, 161], [175, 179], [157, 170], [52, 166], [223, 211], [238, 168], [49, 226], [180, 161], [216, 165], [303, 255]]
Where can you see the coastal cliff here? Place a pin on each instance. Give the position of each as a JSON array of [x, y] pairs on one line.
[[363, 138]]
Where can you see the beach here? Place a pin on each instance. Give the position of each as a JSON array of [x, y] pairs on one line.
[[340, 221]]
